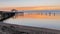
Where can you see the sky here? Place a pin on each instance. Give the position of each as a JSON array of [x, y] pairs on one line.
[[28, 3]]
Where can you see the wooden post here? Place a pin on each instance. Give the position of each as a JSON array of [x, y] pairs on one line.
[[41, 13], [45, 13], [54, 13], [49, 13], [14, 10]]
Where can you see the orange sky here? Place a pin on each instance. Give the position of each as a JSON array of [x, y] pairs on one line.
[[33, 8]]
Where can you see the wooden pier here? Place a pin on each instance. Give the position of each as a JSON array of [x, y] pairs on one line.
[[21, 29]]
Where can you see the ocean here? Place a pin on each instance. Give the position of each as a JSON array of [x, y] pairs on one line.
[[37, 18]]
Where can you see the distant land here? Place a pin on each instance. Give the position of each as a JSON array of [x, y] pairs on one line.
[[33, 8]]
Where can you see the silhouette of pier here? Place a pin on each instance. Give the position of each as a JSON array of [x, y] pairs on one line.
[[34, 12], [21, 13], [6, 28], [41, 13]]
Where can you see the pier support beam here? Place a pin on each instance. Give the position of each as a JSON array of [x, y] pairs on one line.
[[49, 13]]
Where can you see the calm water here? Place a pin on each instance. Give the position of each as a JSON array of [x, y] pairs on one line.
[[52, 22]]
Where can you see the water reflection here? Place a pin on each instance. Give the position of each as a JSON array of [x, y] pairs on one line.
[[45, 19], [36, 20], [38, 15]]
